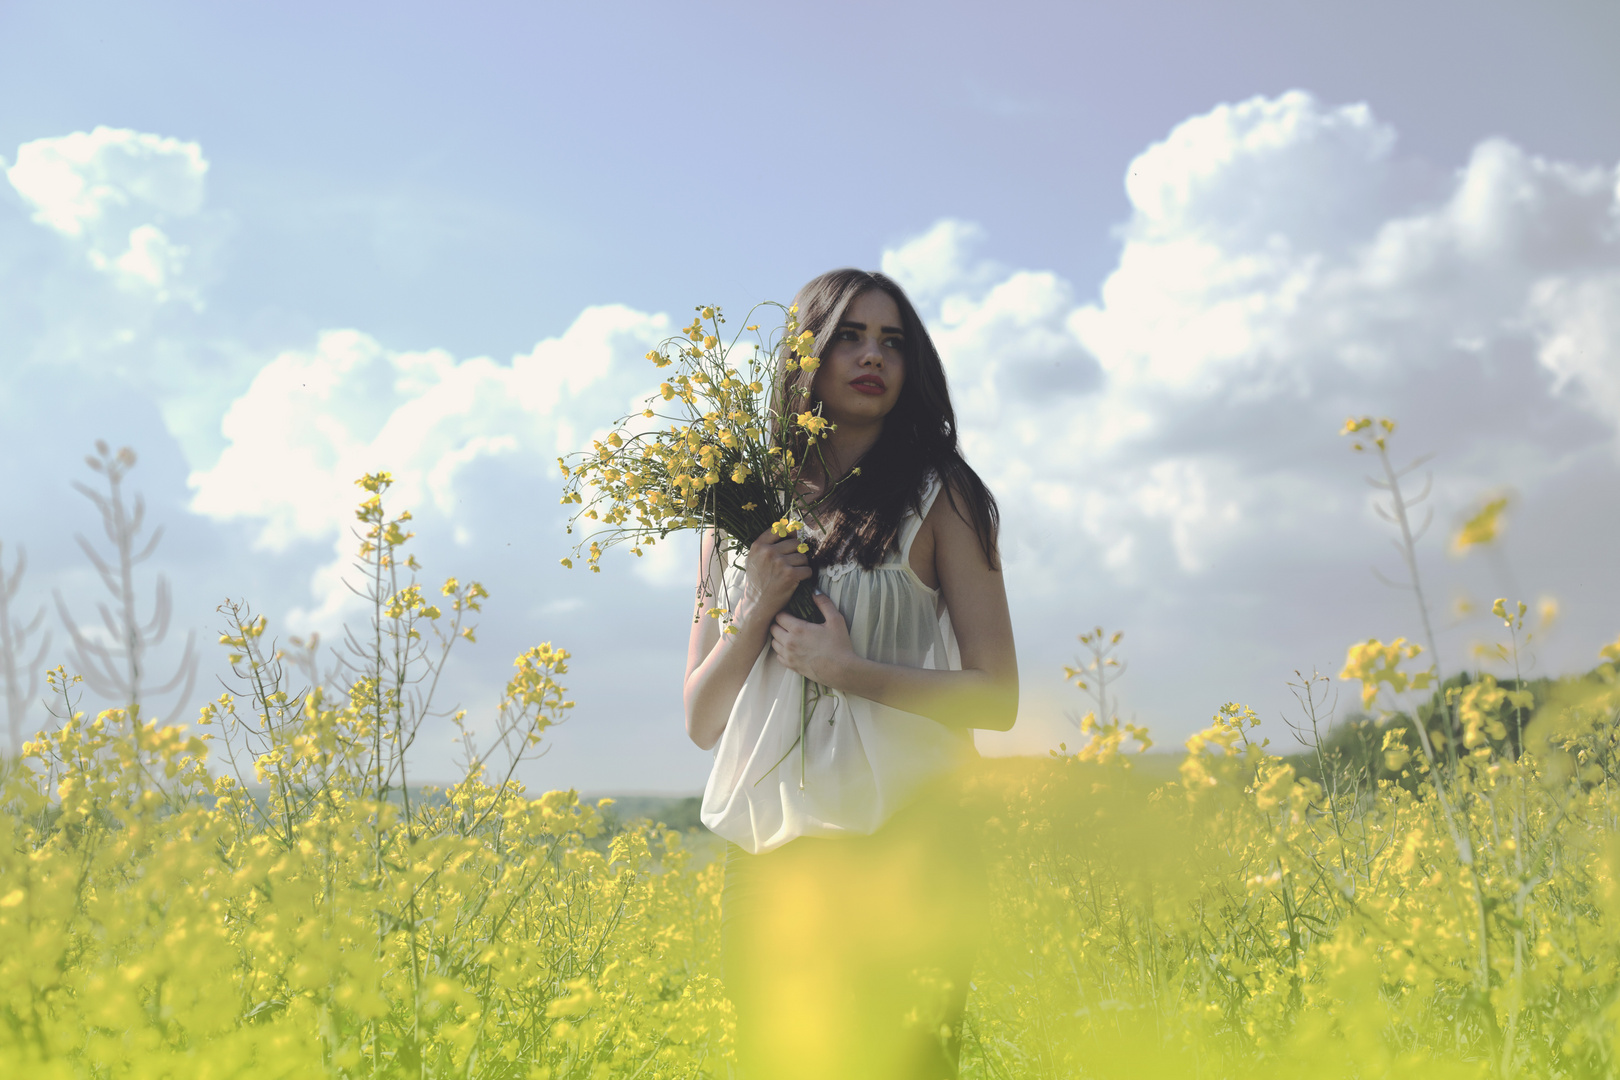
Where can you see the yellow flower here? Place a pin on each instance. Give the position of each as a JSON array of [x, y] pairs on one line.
[[812, 423], [710, 341], [1374, 663], [1477, 708], [1482, 528], [1396, 755]]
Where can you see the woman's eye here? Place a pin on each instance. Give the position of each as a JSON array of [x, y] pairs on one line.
[[893, 343]]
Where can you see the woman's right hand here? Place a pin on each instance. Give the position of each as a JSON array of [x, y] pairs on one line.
[[715, 672], [775, 568]]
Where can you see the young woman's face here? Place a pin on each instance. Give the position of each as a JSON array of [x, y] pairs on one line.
[[862, 369]]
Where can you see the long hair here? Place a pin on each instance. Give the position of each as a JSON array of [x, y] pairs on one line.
[[865, 511]]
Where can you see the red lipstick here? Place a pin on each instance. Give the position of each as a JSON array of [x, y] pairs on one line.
[[869, 384]]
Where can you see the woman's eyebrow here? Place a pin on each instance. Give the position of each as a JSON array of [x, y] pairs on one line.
[[853, 325]]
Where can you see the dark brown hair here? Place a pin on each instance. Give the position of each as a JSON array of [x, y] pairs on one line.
[[865, 511]]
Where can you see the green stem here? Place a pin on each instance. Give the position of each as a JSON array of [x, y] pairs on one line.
[[806, 708]]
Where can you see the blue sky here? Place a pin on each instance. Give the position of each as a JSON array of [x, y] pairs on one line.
[[1165, 248]]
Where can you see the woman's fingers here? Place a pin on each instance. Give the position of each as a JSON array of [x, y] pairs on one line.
[[779, 640], [776, 566]]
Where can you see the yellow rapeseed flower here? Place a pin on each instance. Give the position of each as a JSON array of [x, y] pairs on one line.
[[1482, 527]]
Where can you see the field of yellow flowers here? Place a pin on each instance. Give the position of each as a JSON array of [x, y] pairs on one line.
[[268, 893]]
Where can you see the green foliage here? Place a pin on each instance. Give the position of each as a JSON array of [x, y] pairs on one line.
[[1248, 920], [157, 919], [269, 894]]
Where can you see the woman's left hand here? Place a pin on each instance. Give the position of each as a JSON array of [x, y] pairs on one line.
[[815, 650]]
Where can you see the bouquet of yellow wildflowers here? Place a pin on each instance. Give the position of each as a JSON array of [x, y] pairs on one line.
[[721, 445]]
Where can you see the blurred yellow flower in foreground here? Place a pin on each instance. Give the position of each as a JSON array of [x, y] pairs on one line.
[[1482, 527]]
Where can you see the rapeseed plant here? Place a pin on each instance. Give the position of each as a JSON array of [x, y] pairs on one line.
[[19, 674], [267, 893], [119, 669], [309, 913]]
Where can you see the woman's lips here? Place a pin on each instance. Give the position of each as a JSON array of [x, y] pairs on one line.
[[869, 384]]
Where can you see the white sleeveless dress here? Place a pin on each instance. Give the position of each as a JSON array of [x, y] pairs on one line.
[[860, 761]]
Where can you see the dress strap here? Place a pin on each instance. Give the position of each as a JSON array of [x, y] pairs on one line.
[[913, 522]]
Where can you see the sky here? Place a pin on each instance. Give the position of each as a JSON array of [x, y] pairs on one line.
[[1165, 249]]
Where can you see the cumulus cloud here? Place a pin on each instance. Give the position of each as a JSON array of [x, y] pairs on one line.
[[1578, 323], [1171, 441], [941, 261], [1266, 285], [113, 190], [315, 420]]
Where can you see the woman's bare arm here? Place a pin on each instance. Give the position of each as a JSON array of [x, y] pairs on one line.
[[984, 694], [717, 664]]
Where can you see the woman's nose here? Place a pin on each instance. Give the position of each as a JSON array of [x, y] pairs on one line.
[[871, 355]]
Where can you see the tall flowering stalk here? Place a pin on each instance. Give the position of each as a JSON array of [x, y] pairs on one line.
[[722, 445]]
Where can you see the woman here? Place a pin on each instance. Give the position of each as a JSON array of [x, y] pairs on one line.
[[851, 895]]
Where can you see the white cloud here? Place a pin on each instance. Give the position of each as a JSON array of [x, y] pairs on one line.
[[314, 421], [112, 189], [151, 260], [1172, 442], [76, 181], [1579, 324], [1263, 172], [939, 261]]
